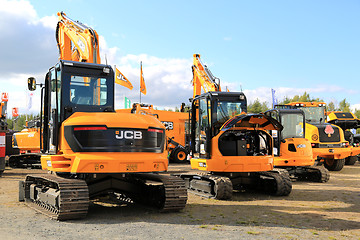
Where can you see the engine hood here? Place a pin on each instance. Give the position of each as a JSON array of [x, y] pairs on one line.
[[255, 121]]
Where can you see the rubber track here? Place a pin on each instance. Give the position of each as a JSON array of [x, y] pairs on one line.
[[74, 197], [318, 174], [175, 193], [175, 197], [221, 186], [281, 182]]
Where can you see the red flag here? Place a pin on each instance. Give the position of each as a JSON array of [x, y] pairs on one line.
[[15, 112], [4, 97]]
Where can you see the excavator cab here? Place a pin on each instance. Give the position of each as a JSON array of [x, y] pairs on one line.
[[209, 112], [292, 151], [72, 87], [293, 121]]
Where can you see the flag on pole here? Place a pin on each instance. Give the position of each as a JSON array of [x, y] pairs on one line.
[[29, 104], [4, 97], [15, 112], [274, 99], [127, 103], [122, 80], [142, 81]]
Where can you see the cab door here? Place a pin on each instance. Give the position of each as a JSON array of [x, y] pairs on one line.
[[52, 101], [201, 127]]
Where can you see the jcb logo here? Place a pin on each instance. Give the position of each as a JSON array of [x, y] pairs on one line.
[[128, 135], [168, 125]]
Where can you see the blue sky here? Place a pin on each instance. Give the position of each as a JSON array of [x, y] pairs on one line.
[[291, 46]]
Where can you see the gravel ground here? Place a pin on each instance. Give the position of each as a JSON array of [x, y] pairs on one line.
[[312, 211]]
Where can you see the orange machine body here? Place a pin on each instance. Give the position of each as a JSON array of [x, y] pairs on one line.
[[27, 141], [175, 123], [108, 162]]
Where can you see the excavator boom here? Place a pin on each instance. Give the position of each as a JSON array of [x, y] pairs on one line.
[[203, 78], [76, 41]]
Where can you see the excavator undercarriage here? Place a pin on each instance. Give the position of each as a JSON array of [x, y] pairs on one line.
[[308, 173], [65, 196], [220, 185]]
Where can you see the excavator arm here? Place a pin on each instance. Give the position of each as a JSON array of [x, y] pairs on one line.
[[203, 78], [76, 41]]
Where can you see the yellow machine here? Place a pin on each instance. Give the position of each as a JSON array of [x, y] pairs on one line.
[[346, 121], [176, 124], [232, 147], [91, 149], [292, 150], [327, 140]]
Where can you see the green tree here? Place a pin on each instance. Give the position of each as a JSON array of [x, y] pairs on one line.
[[257, 107], [301, 98], [331, 106], [344, 106], [19, 123]]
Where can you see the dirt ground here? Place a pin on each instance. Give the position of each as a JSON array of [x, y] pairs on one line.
[[312, 211]]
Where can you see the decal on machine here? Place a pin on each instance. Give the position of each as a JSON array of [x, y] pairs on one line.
[[168, 125], [329, 130], [128, 134]]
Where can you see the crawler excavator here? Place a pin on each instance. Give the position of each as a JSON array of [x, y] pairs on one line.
[[346, 121], [292, 150], [327, 140], [27, 142], [232, 149], [88, 148]]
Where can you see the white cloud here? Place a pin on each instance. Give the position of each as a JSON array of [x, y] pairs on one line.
[[355, 107], [167, 80]]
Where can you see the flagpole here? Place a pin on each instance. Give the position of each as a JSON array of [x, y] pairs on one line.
[[140, 79]]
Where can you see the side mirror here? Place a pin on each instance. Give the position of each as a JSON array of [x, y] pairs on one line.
[[31, 84]]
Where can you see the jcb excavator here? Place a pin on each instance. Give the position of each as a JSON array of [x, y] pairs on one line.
[[27, 142], [90, 149], [292, 150], [346, 121], [233, 149], [177, 129], [327, 140]]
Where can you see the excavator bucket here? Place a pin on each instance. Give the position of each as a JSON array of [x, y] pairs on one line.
[[255, 121]]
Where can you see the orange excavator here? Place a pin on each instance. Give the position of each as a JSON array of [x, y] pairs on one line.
[[292, 150], [327, 140], [232, 149], [89, 149], [346, 121], [27, 142], [177, 129]]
